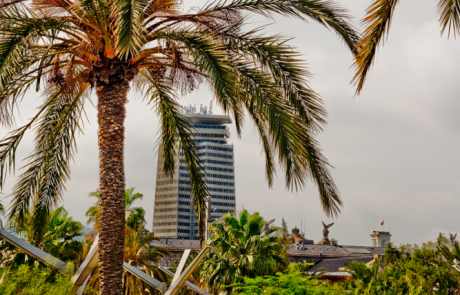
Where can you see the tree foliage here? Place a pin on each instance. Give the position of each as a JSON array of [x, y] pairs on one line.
[[241, 248], [409, 270], [286, 284], [33, 280], [57, 237]]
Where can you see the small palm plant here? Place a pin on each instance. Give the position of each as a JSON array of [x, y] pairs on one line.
[[139, 254], [135, 219], [241, 248], [69, 48], [360, 271], [57, 237]]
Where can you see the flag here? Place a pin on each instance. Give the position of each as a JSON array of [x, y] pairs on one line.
[[383, 222]]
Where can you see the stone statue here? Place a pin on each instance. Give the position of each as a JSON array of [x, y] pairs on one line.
[[325, 231], [325, 240], [452, 238]]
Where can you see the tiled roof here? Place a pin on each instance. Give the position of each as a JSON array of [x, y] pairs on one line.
[[334, 265]]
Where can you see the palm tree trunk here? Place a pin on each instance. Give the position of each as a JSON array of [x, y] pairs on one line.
[[111, 116]]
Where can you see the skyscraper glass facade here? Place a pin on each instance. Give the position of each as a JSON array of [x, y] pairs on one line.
[[173, 215]]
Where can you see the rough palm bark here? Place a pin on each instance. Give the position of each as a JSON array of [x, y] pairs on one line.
[[112, 97]]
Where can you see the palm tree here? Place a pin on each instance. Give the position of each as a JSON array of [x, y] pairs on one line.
[[378, 20], [138, 253], [360, 271], [135, 219], [241, 248], [56, 238], [2, 211], [70, 47]]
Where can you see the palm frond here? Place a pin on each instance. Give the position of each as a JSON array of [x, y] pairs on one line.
[[4, 4], [176, 139], [377, 21], [9, 145], [267, 145], [449, 16], [327, 13], [287, 70], [99, 11], [296, 147], [212, 60], [18, 55], [48, 169], [129, 33], [318, 170], [280, 118]]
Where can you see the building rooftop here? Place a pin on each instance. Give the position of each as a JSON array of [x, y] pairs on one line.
[[179, 244], [208, 119], [326, 250], [307, 250], [335, 265]]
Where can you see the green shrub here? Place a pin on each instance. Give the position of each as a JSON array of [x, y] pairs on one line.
[[293, 283], [33, 280]]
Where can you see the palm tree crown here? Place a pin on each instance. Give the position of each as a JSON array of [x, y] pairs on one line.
[[69, 47], [242, 247]]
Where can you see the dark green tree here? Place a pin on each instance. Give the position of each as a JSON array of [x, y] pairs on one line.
[[241, 248], [407, 270], [286, 284], [69, 48]]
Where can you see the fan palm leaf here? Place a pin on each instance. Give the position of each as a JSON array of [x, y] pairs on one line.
[[241, 248]]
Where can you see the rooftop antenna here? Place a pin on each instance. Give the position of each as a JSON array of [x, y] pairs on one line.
[[210, 108], [305, 226], [301, 220]]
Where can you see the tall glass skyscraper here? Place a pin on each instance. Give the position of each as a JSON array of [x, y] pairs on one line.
[[174, 216]]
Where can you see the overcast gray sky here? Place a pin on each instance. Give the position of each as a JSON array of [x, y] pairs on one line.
[[395, 148]]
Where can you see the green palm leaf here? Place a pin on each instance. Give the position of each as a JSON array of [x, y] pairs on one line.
[[378, 20], [449, 16]]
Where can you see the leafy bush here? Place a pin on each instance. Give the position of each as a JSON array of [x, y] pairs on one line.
[[409, 270], [33, 280], [286, 284]]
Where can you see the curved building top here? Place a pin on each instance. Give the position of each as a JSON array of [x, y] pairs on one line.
[[204, 116]]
